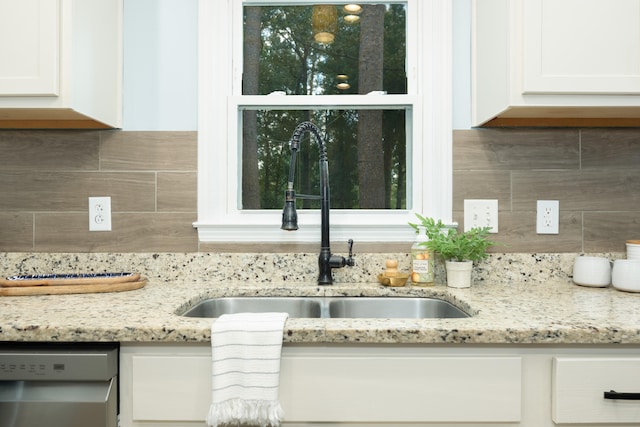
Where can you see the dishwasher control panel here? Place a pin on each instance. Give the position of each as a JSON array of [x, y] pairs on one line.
[[58, 364], [31, 367], [21, 369]]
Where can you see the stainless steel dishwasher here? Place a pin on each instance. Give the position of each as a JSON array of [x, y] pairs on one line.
[[58, 385]]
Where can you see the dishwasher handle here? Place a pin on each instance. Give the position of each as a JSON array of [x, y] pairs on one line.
[[621, 396]]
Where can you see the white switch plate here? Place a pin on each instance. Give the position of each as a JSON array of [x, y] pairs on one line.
[[99, 213], [548, 217], [481, 213]]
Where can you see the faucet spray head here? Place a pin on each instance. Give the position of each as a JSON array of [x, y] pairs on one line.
[[289, 214]]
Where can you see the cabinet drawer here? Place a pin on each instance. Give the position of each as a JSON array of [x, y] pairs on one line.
[[579, 384]]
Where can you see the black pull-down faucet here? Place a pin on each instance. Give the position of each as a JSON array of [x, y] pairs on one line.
[[326, 261]]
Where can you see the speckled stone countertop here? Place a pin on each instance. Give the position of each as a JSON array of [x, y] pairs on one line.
[[530, 300]]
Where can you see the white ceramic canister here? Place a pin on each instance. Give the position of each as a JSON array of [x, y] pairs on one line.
[[633, 249], [592, 271], [625, 275]]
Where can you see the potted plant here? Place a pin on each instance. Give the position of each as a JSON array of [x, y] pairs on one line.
[[459, 249]]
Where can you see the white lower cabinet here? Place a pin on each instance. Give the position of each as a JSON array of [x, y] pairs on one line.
[[369, 385], [596, 390], [378, 385]]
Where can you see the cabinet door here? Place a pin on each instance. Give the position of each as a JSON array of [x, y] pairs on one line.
[[400, 389], [581, 46], [29, 41], [171, 388], [579, 385]]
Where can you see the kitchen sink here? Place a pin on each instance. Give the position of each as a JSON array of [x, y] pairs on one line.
[[389, 308], [295, 306], [329, 307]]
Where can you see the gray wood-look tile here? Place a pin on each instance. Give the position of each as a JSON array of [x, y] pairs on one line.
[[69, 191], [608, 231], [131, 232], [586, 190], [517, 233], [49, 150], [167, 151], [16, 232], [482, 185], [177, 192], [515, 149], [520, 233], [610, 148]]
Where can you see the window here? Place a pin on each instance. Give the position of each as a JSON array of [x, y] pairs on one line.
[[420, 110], [321, 50]]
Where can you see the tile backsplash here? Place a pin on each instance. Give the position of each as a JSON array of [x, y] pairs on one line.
[[46, 178], [594, 173]]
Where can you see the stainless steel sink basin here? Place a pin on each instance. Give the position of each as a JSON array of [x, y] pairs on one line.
[[295, 306], [330, 307], [389, 308]]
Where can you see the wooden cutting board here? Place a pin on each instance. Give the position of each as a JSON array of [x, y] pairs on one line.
[[71, 289], [69, 279]]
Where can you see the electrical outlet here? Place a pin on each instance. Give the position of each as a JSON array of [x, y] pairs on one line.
[[99, 213], [481, 213], [548, 217]]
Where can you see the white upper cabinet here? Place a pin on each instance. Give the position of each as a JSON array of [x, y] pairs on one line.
[[61, 63], [556, 62], [30, 32], [582, 46]]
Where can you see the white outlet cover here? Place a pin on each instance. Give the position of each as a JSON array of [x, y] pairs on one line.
[[481, 213], [548, 217], [99, 213]]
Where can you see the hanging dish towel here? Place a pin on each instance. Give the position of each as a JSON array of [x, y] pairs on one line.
[[246, 349]]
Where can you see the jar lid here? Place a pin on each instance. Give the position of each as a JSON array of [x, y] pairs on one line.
[[633, 242]]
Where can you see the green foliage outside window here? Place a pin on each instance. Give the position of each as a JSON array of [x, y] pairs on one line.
[[366, 148]]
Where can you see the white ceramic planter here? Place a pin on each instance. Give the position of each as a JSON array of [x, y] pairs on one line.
[[459, 273]]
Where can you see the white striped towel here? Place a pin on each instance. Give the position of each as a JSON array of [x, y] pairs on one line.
[[246, 349]]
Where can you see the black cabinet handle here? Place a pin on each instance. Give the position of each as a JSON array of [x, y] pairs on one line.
[[621, 396]]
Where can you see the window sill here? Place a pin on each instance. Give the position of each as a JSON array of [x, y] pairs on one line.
[[265, 227]]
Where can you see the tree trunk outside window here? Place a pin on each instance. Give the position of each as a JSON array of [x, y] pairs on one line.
[[370, 71], [252, 48]]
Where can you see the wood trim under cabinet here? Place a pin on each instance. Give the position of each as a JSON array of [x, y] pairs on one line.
[[44, 118], [561, 122], [560, 116]]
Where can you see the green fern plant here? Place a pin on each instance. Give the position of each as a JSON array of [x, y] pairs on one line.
[[452, 245]]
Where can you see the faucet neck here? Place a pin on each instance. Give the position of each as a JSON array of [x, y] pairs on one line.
[[325, 258], [324, 205]]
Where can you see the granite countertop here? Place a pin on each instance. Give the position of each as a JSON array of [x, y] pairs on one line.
[[516, 313]]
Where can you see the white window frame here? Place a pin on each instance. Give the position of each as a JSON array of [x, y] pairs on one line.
[[429, 70]]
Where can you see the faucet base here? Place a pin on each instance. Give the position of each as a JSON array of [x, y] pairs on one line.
[[324, 265]]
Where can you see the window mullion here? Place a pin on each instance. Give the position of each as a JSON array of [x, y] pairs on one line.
[[355, 102]]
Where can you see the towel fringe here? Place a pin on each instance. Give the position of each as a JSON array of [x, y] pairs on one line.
[[238, 411]]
